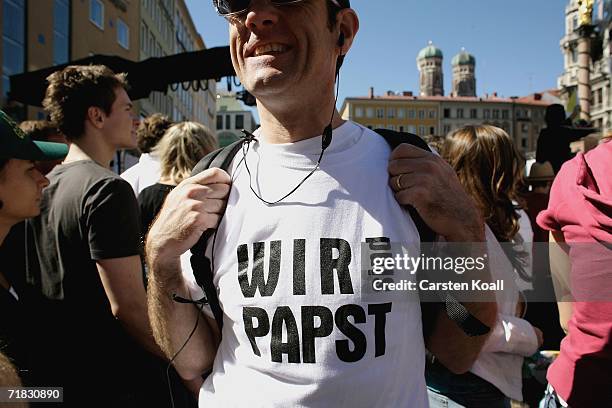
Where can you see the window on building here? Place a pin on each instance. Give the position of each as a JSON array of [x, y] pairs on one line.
[[219, 122], [505, 114], [432, 130], [369, 113], [524, 142], [431, 114], [358, 112], [61, 17], [228, 122], [143, 34], [411, 114], [447, 113], [391, 127], [421, 114], [401, 113], [597, 97], [13, 41], [123, 34], [411, 129], [487, 113], [96, 13], [524, 127], [239, 122], [401, 128], [421, 130], [473, 113], [391, 113], [380, 113], [495, 113], [460, 113], [447, 129]]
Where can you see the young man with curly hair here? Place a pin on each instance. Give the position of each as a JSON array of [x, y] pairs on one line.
[[87, 264]]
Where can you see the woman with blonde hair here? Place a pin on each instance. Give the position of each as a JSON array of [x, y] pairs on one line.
[[181, 148], [489, 167]]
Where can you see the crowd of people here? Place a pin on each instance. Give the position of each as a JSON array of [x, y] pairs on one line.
[[99, 297]]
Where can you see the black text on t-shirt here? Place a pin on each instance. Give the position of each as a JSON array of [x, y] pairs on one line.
[[316, 321]]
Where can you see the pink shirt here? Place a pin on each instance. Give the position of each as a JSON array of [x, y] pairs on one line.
[[581, 207]]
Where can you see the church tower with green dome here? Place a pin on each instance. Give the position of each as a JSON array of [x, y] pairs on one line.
[[464, 74], [429, 62]]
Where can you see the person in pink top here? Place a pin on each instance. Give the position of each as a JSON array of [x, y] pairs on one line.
[[579, 218]]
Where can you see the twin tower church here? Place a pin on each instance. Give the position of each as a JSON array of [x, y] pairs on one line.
[[431, 81]]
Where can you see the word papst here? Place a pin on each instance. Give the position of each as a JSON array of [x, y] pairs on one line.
[[302, 350]]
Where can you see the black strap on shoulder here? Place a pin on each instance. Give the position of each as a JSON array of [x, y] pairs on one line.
[[455, 311], [395, 139], [202, 269]]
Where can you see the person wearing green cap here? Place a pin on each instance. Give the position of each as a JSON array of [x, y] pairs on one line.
[[21, 185]]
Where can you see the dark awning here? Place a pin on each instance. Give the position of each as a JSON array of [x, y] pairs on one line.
[[153, 74]]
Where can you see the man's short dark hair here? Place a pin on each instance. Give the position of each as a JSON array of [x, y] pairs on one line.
[[39, 130], [333, 10], [73, 90], [151, 130]]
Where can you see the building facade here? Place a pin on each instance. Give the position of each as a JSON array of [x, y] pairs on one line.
[[156, 40], [431, 78], [232, 117], [41, 33], [464, 74], [190, 104], [521, 118], [601, 63]]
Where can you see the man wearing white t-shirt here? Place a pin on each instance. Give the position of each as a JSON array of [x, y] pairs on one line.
[[297, 206]]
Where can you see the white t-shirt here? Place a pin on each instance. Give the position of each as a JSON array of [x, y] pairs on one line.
[[306, 337], [143, 174], [501, 360]]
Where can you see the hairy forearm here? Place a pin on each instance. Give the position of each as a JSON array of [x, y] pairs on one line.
[[173, 322], [139, 328]]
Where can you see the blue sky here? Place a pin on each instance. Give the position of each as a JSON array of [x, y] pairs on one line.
[[515, 42]]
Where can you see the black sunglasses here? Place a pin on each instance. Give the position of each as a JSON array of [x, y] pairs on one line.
[[227, 8]]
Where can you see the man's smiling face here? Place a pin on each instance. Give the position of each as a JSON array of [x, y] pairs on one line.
[[283, 50]]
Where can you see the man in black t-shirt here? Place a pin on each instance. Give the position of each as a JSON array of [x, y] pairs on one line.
[[86, 261]]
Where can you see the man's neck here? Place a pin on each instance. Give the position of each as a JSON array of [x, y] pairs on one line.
[[89, 147], [288, 124]]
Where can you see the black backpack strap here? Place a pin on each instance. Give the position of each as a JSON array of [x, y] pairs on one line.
[[202, 269], [455, 311]]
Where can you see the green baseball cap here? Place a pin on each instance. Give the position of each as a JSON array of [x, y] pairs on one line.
[[15, 144]]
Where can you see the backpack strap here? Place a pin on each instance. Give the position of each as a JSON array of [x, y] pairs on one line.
[[202, 269], [455, 311]]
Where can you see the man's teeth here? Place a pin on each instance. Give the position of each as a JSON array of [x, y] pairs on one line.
[[264, 49]]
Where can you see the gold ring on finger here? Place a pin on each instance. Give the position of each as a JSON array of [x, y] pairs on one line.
[[398, 182]]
